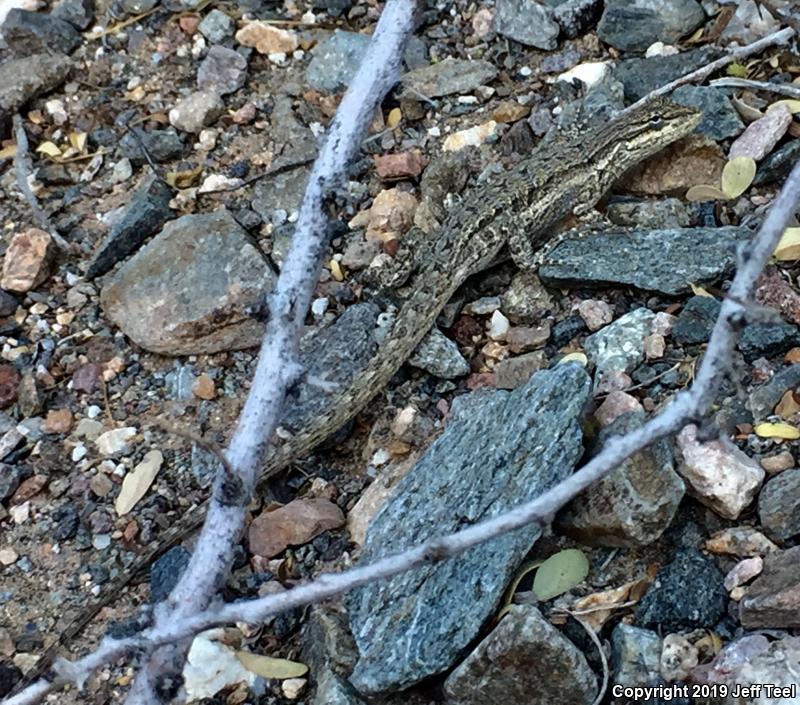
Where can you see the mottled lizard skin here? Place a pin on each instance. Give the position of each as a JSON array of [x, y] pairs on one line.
[[519, 208]]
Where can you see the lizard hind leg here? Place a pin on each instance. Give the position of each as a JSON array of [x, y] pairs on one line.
[[396, 272]]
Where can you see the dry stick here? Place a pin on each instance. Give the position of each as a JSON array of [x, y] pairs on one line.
[[786, 89], [704, 72], [688, 405], [24, 168], [278, 366]]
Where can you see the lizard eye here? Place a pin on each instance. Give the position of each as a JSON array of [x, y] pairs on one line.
[[656, 122]]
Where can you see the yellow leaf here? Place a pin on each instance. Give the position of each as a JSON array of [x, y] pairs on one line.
[[578, 357], [788, 248], [699, 290], [49, 149], [792, 104], [704, 192], [784, 431], [78, 140], [394, 117], [336, 270], [8, 152], [737, 176], [268, 667], [737, 70]]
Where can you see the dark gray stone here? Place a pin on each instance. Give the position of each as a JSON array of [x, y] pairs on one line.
[[190, 290], [8, 304], [136, 7], [167, 571], [649, 213], [635, 655], [779, 505], [10, 477], [687, 594], [771, 601], [527, 22], [67, 522], [524, 659], [216, 26], [337, 353], [10, 675], [29, 33], [79, 13], [640, 76], [777, 165], [567, 329], [282, 192], [223, 70], [665, 261], [449, 77], [499, 449], [161, 145], [335, 61], [634, 504], [696, 320], [145, 215], [720, 119], [633, 25], [768, 339], [23, 79], [335, 8], [439, 356], [576, 16], [764, 398]]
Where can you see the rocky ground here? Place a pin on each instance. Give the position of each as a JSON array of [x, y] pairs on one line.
[[170, 143]]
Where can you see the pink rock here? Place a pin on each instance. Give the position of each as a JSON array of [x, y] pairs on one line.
[[758, 140], [28, 261], [595, 314], [400, 166], [743, 571], [292, 525], [616, 404], [663, 323], [720, 475], [654, 346]]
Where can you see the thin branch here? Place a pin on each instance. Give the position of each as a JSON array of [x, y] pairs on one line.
[[781, 37], [688, 405], [23, 168], [787, 89]]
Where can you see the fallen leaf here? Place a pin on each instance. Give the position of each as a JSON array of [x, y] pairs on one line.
[[737, 176], [78, 140], [787, 407], [698, 290], [792, 103], [394, 117], [783, 431], [138, 481], [704, 192], [789, 246], [560, 573], [578, 357], [736, 70], [48, 149], [596, 609], [8, 152], [268, 667]]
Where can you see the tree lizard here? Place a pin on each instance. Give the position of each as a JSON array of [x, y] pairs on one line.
[[520, 208]]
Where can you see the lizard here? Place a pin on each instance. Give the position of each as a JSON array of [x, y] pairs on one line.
[[519, 208]]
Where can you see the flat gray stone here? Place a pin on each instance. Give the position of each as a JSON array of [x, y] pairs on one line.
[[439, 356], [449, 77], [188, 290], [634, 504], [720, 119], [665, 261], [764, 398], [779, 505], [525, 659], [619, 346], [335, 61], [640, 76], [635, 655], [23, 79], [28, 32], [499, 449], [633, 25], [527, 22]]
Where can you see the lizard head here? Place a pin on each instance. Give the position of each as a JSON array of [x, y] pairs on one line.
[[648, 127]]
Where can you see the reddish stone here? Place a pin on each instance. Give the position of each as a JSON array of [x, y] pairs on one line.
[[400, 166], [29, 488], [87, 378], [28, 261], [57, 421], [246, 114], [189, 24], [773, 291], [481, 380], [9, 385], [465, 330]]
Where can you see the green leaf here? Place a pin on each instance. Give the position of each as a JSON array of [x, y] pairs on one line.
[[737, 70], [560, 573], [268, 667], [737, 176]]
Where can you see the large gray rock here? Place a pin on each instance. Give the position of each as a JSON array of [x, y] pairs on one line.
[[188, 290], [764, 399], [500, 449], [665, 261], [779, 505], [633, 25], [24, 79], [525, 659], [528, 22], [335, 61], [633, 505], [449, 77], [29, 33]]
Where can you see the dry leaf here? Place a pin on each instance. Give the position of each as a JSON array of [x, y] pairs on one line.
[[698, 290], [597, 608], [393, 120], [268, 667], [336, 270], [748, 112], [183, 179], [704, 192], [787, 407], [784, 431], [49, 149], [578, 357], [78, 140], [737, 176], [138, 481], [8, 152], [788, 248], [792, 103]]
